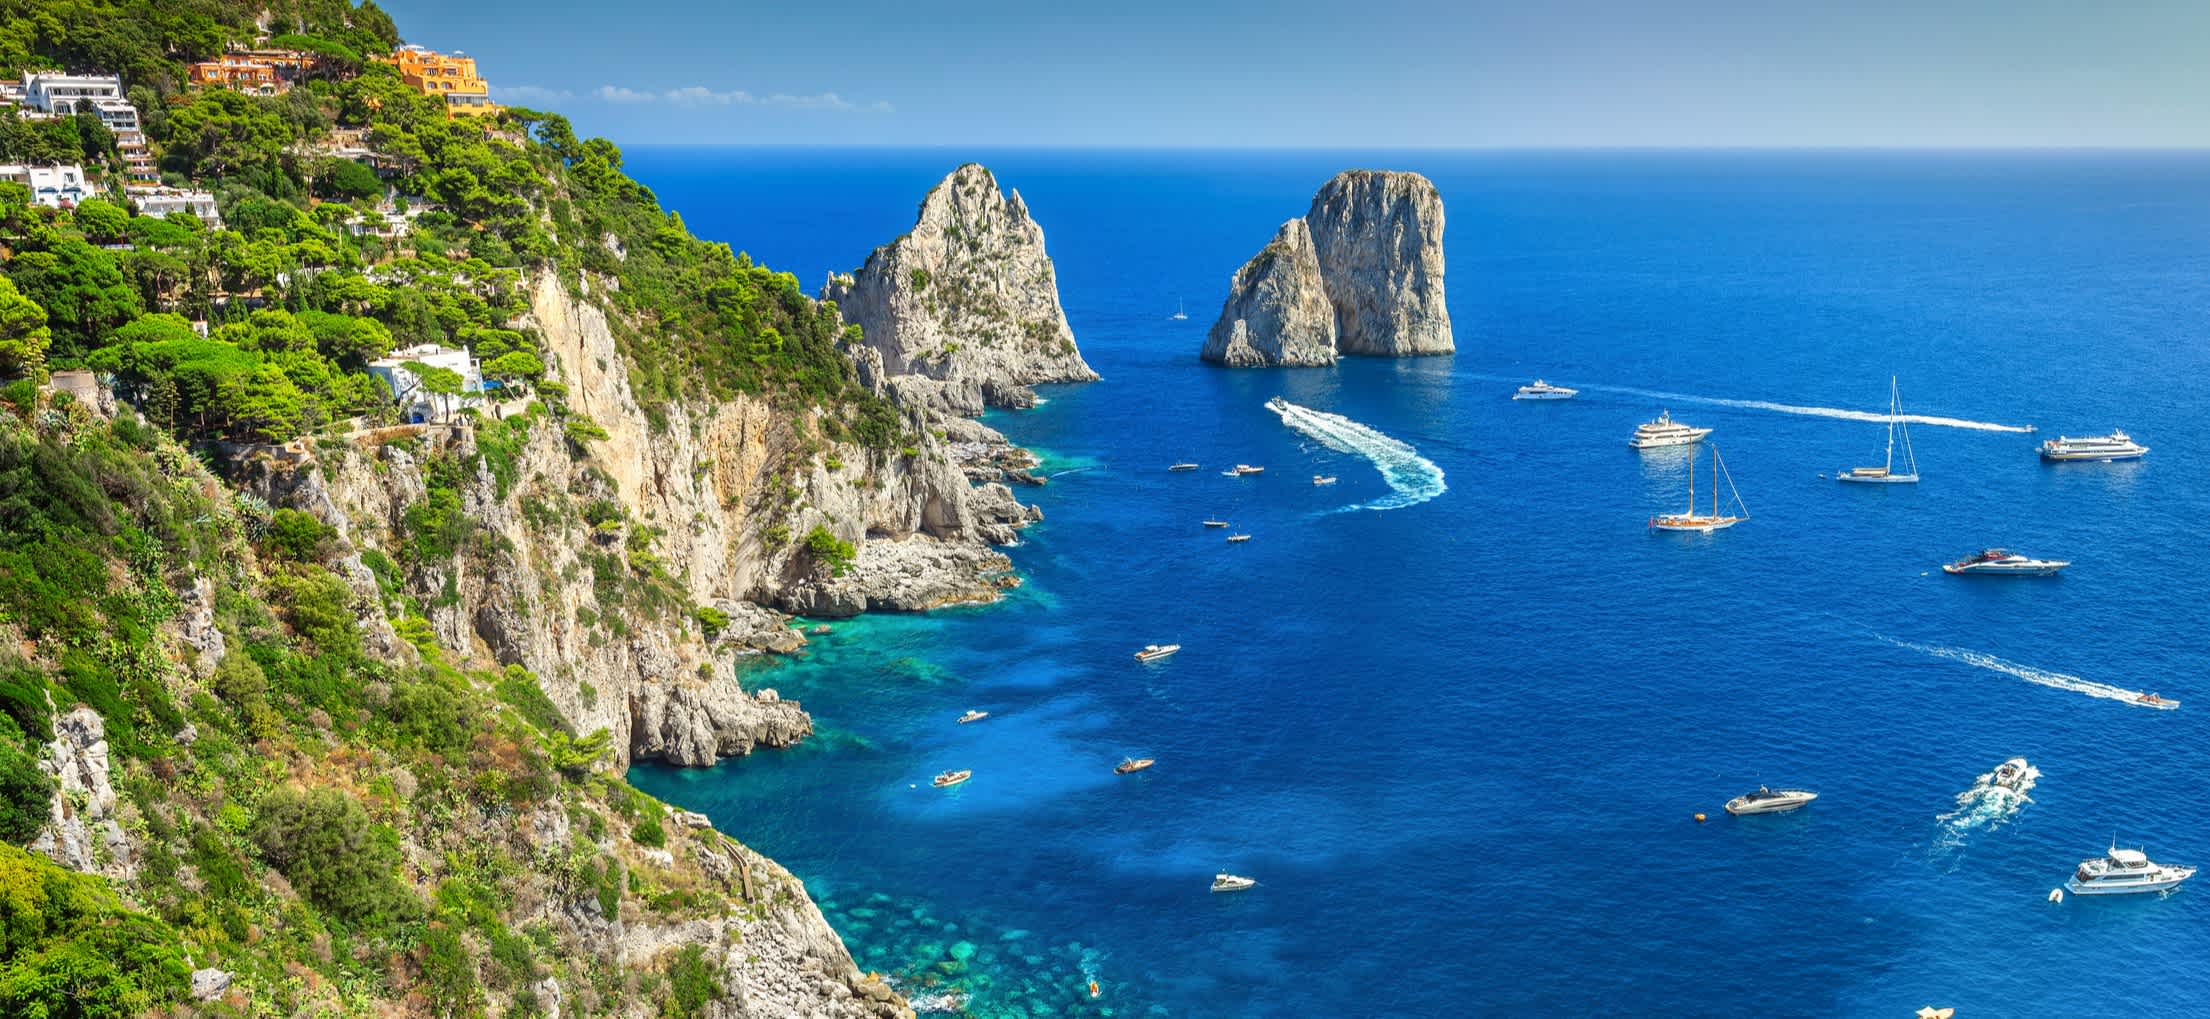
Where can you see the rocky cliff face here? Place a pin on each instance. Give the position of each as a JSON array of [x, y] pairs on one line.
[[1278, 311], [1375, 275], [967, 300]]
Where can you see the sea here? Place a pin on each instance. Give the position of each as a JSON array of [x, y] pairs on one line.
[[1464, 717]]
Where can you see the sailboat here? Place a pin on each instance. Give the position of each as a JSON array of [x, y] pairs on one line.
[[1888, 475], [1179, 314], [1689, 519]]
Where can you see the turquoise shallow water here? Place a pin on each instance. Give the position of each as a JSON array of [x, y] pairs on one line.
[[1459, 742]]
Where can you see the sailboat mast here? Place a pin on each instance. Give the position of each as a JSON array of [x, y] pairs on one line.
[[1715, 482], [1691, 484]]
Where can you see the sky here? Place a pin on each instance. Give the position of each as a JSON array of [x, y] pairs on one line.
[[1363, 74]]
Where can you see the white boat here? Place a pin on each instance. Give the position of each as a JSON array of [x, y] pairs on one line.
[[1225, 882], [2104, 448], [1689, 519], [1769, 801], [2125, 872], [1237, 539], [1243, 469], [1179, 314], [1216, 523], [1131, 765], [951, 778], [1540, 390], [973, 716], [1323, 479], [1665, 432], [1154, 652], [1183, 466], [2012, 774], [2153, 701], [1887, 474], [2004, 563]]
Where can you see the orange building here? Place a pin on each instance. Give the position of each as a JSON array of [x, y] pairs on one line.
[[246, 74], [450, 75]]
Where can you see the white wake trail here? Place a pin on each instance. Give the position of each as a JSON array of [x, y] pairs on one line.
[[1413, 479], [1985, 806], [1839, 413], [2041, 677]]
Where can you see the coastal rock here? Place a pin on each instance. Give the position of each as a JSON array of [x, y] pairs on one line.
[[1277, 311], [83, 830], [914, 575], [967, 298], [696, 724], [1379, 238]]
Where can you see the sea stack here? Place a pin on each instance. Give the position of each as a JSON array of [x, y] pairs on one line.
[[1376, 238], [967, 298], [1278, 311]]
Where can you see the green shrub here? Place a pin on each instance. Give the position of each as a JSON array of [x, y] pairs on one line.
[[711, 618], [69, 948], [830, 550], [300, 537], [324, 844], [649, 832], [320, 607], [26, 792], [692, 984]]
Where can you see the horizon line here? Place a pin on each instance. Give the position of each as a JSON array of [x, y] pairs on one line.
[[1103, 147]]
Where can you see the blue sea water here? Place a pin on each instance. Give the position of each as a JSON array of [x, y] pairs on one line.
[[1460, 741]]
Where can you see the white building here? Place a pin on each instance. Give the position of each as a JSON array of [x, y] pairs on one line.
[[56, 187], [417, 403], [159, 202], [61, 95]]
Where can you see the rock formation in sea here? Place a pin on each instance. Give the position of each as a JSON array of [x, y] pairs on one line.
[[1278, 312], [1376, 243], [967, 300]]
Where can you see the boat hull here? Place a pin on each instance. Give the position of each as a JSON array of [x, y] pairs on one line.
[[1853, 478], [1741, 809], [1544, 396], [1981, 571], [1670, 440], [1701, 525], [2169, 880]]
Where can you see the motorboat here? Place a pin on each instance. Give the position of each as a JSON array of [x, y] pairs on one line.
[[2125, 872], [2013, 774], [1769, 801], [1183, 466], [2153, 701], [1886, 474], [1129, 765], [1230, 883], [2103, 448], [973, 716], [1238, 539], [1323, 479], [1231, 473], [1665, 432], [1216, 523], [951, 778], [2004, 563], [1242, 470], [1689, 519], [1540, 390], [1154, 652]]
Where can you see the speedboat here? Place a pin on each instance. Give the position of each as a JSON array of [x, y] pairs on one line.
[[1769, 801], [2105, 448], [1216, 523], [951, 778], [1154, 652], [1323, 479], [1237, 539], [2011, 774], [1540, 390], [973, 716], [1230, 883], [2153, 701], [2125, 872], [1183, 466], [1244, 469], [1132, 764], [1665, 432], [2004, 563]]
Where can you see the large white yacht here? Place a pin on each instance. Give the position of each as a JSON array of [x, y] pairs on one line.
[[1665, 432], [1769, 801], [2125, 872], [2004, 563], [2105, 448], [1540, 390]]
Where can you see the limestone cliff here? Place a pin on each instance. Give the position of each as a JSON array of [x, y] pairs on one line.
[[1361, 273], [1278, 311], [967, 300]]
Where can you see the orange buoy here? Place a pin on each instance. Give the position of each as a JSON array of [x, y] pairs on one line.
[[1699, 819], [1094, 992]]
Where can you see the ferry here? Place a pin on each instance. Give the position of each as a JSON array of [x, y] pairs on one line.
[[1183, 466], [1230, 883], [1540, 390], [1154, 652], [2004, 563], [951, 778], [2125, 872], [2102, 448], [1666, 432], [1130, 765], [973, 716], [1769, 801]]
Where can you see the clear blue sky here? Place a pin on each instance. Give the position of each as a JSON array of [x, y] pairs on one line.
[[1359, 74]]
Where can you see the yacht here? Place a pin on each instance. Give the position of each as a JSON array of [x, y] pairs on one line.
[[2125, 872], [1665, 432], [973, 716], [1886, 474], [1230, 883], [951, 778], [1323, 479], [1183, 466], [1216, 523], [1130, 765], [2011, 774], [1179, 315], [2106, 448], [1154, 652], [1238, 539], [2004, 563], [1689, 519], [1540, 390], [1769, 801], [1243, 469]]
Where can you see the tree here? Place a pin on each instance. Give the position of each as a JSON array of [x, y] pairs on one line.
[[24, 335], [102, 221], [830, 550], [347, 181], [443, 383], [515, 368], [323, 843], [84, 293]]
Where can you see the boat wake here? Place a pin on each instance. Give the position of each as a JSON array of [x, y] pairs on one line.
[[1413, 479], [2041, 677], [1984, 807], [1840, 413]]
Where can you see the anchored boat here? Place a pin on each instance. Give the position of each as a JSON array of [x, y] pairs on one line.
[[1769, 801], [1540, 390], [2004, 563], [1154, 652], [973, 716], [2125, 872], [1129, 765], [2104, 448], [1689, 519], [1887, 474], [1225, 882], [951, 778], [1665, 432]]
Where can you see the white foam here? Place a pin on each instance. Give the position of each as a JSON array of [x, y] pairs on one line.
[[1840, 413], [1413, 479], [1985, 806], [2041, 677]]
